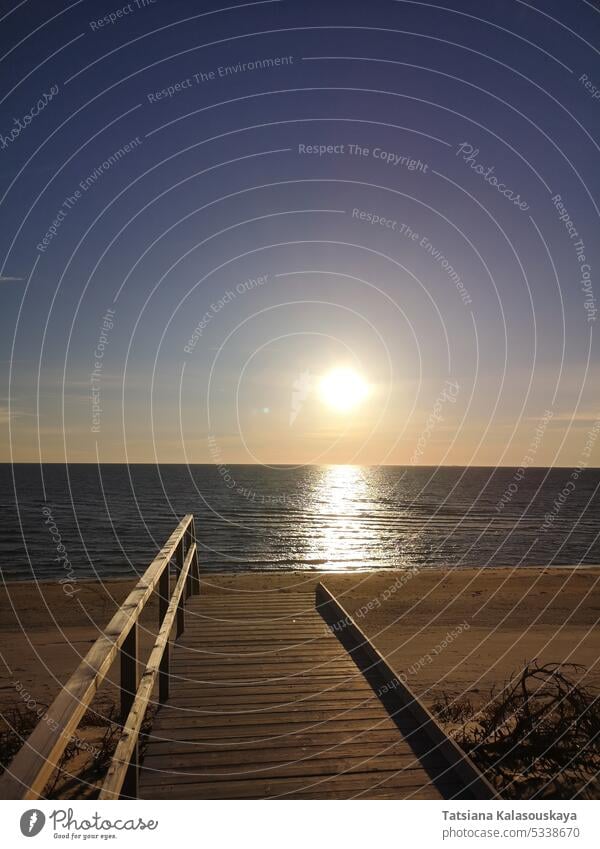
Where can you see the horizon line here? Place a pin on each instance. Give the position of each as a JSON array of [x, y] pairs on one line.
[[284, 465]]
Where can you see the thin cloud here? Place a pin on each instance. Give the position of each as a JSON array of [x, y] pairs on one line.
[[7, 414], [8, 279]]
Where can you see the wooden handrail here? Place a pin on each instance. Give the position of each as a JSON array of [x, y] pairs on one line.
[[28, 774], [124, 764]]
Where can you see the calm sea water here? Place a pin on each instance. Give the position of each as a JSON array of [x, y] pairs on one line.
[[112, 519]]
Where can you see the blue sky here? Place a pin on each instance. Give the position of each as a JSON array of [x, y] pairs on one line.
[[211, 187]]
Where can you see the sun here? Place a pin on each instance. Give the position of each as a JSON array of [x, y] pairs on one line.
[[343, 389]]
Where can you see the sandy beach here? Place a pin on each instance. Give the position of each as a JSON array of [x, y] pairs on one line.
[[460, 632]]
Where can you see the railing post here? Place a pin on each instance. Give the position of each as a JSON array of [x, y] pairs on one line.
[[129, 671], [164, 595], [194, 567], [188, 544], [179, 558], [129, 686], [130, 787]]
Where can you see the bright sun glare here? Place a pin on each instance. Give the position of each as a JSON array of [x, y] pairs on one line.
[[343, 389]]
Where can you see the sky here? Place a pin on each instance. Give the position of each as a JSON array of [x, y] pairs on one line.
[[207, 210]]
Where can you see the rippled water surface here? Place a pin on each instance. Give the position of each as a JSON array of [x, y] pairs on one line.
[[112, 519]]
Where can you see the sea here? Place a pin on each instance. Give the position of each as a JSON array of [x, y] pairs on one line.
[[110, 520]]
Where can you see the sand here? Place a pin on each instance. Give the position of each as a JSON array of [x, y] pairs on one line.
[[460, 631]]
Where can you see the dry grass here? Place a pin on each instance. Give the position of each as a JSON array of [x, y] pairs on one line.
[[537, 737], [87, 756]]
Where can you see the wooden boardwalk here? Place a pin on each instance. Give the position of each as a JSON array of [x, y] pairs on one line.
[[266, 703], [257, 696]]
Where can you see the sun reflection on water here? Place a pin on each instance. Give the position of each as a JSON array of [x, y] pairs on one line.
[[345, 534]]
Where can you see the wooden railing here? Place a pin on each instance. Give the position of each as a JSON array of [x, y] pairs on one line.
[[28, 774]]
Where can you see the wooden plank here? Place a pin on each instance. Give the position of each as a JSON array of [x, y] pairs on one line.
[[294, 684], [256, 601], [312, 700], [273, 793], [257, 676], [264, 646], [202, 617], [186, 658], [308, 686], [266, 733], [248, 619], [231, 640], [263, 701], [256, 608], [409, 767], [173, 717], [261, 675], [216, 678], [271, 691], [417, 793], [237, 746], [231, 684], [258, 665], [234, 677], [255, 642], [258, 759], [229, 652], [281, 787], [231, 713], [230, 603], [258, 626], [293, 627], [27, 775]]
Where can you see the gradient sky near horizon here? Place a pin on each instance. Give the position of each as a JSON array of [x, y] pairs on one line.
[[217, 188]]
